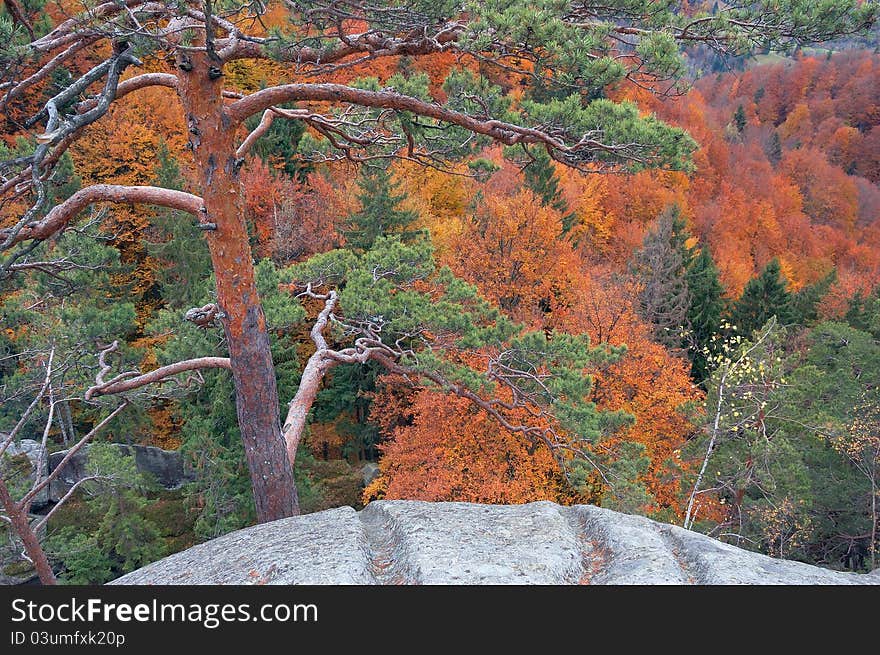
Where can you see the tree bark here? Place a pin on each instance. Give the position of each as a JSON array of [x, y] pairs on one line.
[[301, 405], [61, 214], [211, 138], [22, 527]]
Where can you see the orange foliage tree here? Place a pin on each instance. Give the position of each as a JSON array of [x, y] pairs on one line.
[[124, 151], [450, 450], [510, 248], [647, 383]]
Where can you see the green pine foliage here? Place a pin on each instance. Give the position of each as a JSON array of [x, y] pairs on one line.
[[540, 176], [436, 327], [110, 535], [863, 312], [805, 302], [74, 313], [380, 214], [704, 313], [764, 296]]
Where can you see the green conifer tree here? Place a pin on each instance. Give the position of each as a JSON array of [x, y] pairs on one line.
[[764, 296], [863, 312], [805, 303], [739, 119], [704, 312], [540, 177], [380, 214]]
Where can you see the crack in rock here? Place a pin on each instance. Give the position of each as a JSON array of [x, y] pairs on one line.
[[416, 542]]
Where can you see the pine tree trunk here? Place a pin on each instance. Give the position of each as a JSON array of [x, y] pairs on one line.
[[212, 142]]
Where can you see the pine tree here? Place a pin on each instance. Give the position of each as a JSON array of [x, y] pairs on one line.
[[578, 58], [540, 177], [773, 149], [661, 267], [704, 311], [739, 119], [380, 214], [805, 303], [863, 312], [764, 296]]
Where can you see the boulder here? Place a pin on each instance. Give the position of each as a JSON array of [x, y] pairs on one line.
[[167, 466], [415, 542], [369, 472], [34, 452]]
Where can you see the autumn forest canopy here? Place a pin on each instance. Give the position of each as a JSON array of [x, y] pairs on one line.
[[328, 252]]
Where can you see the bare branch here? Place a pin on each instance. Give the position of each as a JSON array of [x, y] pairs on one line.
[[39, 486], [132, 380], [258, 131], [135, 84], [728, 368], [57, 219], [59, 128], [73, 28], [371, 44], [315, 369], [39, 525], [45, 71], [24, 179], [317, 332], [503, 132]]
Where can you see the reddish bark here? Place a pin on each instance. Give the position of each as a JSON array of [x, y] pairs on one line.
[[22, 527], [253, 372], [507, 133], [62, 214], [310, 382], [121, 384]]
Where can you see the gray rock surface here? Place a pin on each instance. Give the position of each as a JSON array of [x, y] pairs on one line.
[[414, 542], [369, 472], [35, 452], [166, 465]]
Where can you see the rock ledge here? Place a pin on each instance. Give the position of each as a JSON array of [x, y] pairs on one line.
[[414, 542]]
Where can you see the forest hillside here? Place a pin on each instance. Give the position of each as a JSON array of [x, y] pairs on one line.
[[329, 256]]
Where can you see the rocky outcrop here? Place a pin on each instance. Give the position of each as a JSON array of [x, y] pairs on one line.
[[413, 542], [35, 455], [369, 472], [167, 466]]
